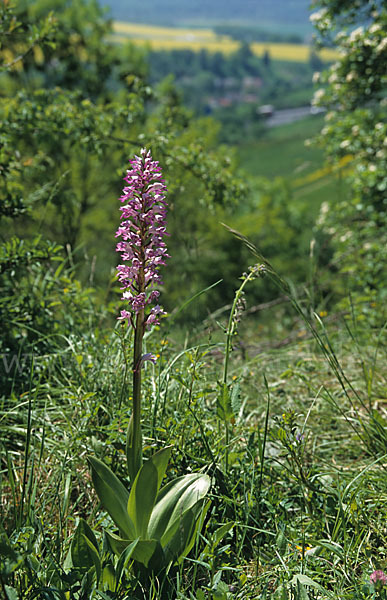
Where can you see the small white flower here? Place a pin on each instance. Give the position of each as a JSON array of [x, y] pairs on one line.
[[345, 236], [374, 28], [356, 33], [382, 46], [316, 77], [318, 15], [345, 144], [318, 95], [340, 36]]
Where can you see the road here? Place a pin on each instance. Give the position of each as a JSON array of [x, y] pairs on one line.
[[289, 115]]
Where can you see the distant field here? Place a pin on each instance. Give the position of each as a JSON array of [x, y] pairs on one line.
[[173, 38], [281, 152]]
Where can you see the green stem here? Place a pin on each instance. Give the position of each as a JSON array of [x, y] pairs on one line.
[[230, 332], [134, 437]]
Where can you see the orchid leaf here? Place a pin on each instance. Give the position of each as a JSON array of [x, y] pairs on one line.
[[194, 492], [160, 460], [93, 552], [143, 552], [303, 580], [113, 496], [125, 557], [173, 501], [84, 555], [133, 452], [116, 543], [142, 498], [184, 532], [144, 491], [148, 550], [221, 532], [109, 577]]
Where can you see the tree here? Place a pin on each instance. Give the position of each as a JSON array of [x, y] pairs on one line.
[[266, 59], [63, 151], [355, 132]]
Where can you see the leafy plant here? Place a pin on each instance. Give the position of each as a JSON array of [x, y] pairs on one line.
[[157, 527]]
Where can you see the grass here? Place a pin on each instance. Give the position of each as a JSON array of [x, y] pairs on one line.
[[298, 474], [172, 38], [281, 151], [286, 413]]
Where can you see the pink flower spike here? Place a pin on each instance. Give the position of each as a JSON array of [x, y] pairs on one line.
[[142, 231]]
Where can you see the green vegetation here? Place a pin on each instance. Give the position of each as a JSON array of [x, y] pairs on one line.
[[244, 33], [236, 449], [231, 88], [281, 151]]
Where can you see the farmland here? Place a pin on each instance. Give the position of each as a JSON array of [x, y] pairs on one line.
[[281, 156], [175, 38]]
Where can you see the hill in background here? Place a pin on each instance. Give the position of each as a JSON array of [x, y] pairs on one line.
[[287, 15]]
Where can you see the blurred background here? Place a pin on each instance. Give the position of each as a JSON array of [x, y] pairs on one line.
[[222, 93]]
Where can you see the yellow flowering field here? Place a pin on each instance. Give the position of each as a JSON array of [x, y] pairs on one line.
[[179, 44], [148, 31], [174, 38], [294, 52]]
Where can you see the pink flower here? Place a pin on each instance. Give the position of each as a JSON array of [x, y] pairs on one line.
[[142, 231], [378, 578]]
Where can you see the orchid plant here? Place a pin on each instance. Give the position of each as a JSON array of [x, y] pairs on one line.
[[156, 526], [143, 250]]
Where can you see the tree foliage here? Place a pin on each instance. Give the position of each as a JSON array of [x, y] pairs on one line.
[[354, 93], [71, 115]]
